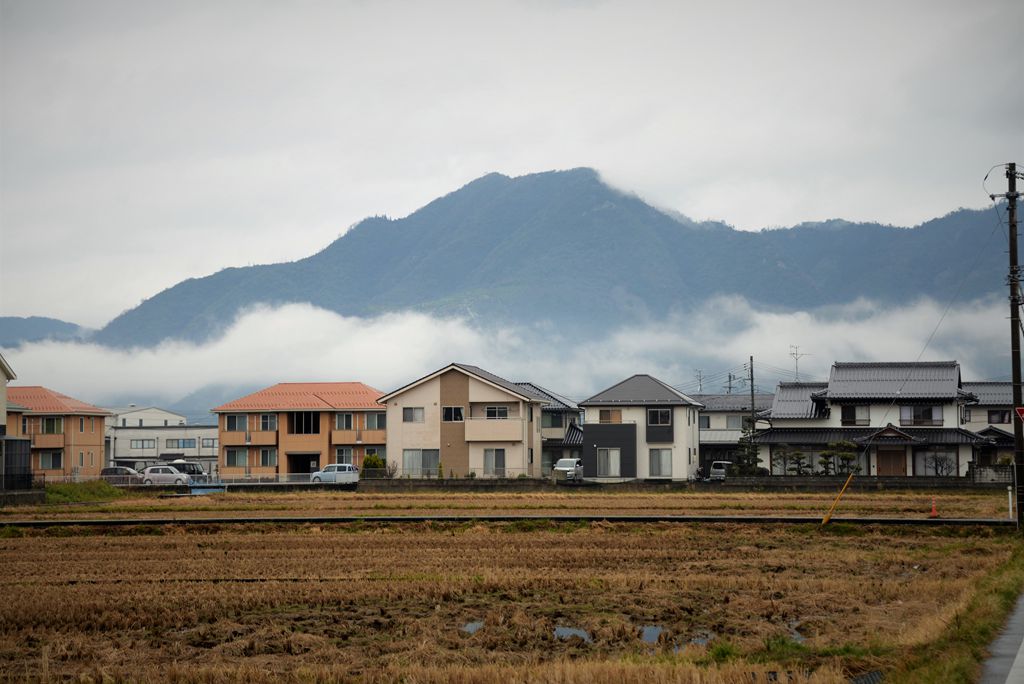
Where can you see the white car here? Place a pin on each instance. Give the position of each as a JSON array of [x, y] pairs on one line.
[[336, 472], [568, 470], [165, 474]]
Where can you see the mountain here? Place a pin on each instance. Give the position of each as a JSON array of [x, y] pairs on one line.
[[15, 330], [563, 246]]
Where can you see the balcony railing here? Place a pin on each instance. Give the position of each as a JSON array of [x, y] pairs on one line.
[[494, 430]]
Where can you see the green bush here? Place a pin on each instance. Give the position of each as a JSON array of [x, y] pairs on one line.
[[373, 462]]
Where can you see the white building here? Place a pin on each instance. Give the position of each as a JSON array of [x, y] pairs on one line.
[[641, 428]]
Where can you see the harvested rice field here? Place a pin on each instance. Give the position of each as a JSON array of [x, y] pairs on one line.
[[563, 501], [533, 601]]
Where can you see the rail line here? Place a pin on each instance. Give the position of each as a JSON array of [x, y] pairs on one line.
[[350, 519]]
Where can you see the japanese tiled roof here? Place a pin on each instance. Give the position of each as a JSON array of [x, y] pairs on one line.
[[894, 380], [869, 435], [640, 390], [734, 402], [307, 396], [522, 389], [555, 402], [997, 435], [795, 400], [42, 400], [991, 393]]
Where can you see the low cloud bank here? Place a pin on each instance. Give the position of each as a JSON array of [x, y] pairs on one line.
[[299, 342]]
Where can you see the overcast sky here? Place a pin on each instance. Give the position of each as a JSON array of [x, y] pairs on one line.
[[142, 143]]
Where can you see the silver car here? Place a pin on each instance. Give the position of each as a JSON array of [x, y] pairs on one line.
[[164, 475], [336, 472], [568, 470], [718, 470]]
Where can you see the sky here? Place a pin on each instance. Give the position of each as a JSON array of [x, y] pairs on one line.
[[142, 143]]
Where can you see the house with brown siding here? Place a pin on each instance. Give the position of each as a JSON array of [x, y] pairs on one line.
[[463, 420], [66, 434], [292, 429]]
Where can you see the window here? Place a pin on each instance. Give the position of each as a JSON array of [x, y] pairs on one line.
[[268, 422], [209, 441], [551, 420], [24, 425], [143, 444], [53, 425], [935, 460], [998, 416], [235, 458], [92, 425], [343, 455], [344, 421], [376, 421], [377, 451], [607, 462], [181, 443], [451, 414], [81, 424], [967, 415], [236, 423], [734, 422], [856, 415], [92, 461], [304, 423], [659, 416], [165, 422], [661, 462], [124, 422], [50, 461], [412, 414], [268, 457], [705, 422], [609, 416], [497, 412], [420, 461], [140, 422], [920, 415], [81, 459], [494, 462]]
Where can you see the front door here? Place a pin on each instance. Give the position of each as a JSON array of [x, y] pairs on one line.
[[892, 462]]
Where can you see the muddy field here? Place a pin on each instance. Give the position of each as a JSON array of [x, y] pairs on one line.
[[902, 504], [487, 602]]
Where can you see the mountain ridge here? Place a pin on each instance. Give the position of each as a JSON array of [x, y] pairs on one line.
[[566, 247]]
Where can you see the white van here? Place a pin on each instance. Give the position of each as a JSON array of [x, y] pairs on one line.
[[718, 470]]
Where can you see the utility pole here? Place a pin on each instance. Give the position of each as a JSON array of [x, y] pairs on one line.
[[753, 411], [794, 351], [728, 385], [1013, 280]]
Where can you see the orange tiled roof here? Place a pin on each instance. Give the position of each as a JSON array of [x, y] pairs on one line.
[[307, 396], [44, 400]]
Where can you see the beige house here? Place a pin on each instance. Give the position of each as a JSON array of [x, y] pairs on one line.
[[464, 421], [6, 375]]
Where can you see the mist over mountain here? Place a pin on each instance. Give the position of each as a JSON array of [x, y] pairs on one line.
[[565, 248], [15, 330]]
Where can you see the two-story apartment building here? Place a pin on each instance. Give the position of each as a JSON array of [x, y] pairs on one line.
[[463, 420], [992, 417], [560, 430], [641, 428], [721, 423], [66, 434], [904, 418], [293, 429], [137, 436]]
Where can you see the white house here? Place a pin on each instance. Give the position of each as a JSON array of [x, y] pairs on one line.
[[641, 428]]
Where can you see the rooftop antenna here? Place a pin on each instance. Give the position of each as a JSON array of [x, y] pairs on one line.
[[794, 351]]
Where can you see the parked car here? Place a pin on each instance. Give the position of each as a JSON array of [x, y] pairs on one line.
[[718, 470], [568, 470], [121, 475], [336, 472], [192, 469], [165, 474]]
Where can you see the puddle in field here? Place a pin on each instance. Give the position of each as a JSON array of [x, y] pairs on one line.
[[562, 632], [473, 627], [702, 638], [649, 633], [794, 633]]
